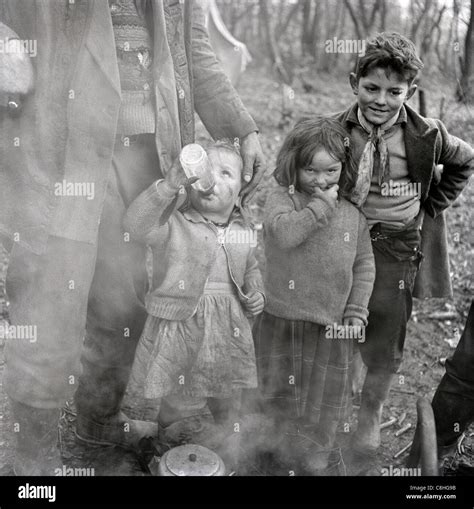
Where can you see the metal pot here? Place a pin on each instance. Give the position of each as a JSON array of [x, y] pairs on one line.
[[191, 460]]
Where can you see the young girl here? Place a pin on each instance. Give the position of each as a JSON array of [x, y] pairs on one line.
[[319, 277], [197, 341]]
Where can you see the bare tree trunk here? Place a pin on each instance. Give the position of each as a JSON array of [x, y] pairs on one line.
[[334, 16], [240, 12], [283, 26], [355, 19], [457, 60], [262, 27], [271, 42], [445, 59], [383, 15], [342, 25], [369, 21], [430, 27], [418, 19], [305, 26], [314, 34], [466, 92], [364, 19], [330, 30]]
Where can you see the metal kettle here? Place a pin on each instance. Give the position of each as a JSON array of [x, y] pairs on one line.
[[191, 460]]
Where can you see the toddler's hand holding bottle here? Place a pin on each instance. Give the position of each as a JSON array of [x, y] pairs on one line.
[[176, 178]]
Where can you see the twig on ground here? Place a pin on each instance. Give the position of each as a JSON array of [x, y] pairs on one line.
[[443, 315], [388, 423], [403, 430], [401, 451], [402, 418]]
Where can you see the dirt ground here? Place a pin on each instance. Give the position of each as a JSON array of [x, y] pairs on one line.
[[427, 343]]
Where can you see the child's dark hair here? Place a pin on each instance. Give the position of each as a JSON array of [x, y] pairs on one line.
[[393, 52], [307, 137]]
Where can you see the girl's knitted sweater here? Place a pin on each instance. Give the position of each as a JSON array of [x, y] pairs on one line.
[[320, 266]]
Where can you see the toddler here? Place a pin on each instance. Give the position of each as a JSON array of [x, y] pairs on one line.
[[197, 341]]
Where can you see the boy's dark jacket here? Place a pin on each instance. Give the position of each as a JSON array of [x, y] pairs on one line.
[[428, 144]]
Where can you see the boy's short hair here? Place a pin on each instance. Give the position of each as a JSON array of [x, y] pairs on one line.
[[307, 137], [391, 51]]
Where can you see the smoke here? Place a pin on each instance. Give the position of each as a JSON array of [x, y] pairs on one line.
[[258, 444], [272, 446]]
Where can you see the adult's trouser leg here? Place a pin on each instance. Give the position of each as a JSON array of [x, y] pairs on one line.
[[116, 312], [48, 298]]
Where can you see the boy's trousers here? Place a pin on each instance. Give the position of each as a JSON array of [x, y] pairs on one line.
[[397, 259], [82, 298]]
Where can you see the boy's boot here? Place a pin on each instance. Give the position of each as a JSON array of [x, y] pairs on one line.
[[374, 393], [37, 452], [99, 419]]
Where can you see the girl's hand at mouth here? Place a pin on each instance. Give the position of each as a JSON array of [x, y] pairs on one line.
[[331, 193]]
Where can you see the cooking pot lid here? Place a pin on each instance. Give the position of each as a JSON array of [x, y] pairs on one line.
[[192, 459]]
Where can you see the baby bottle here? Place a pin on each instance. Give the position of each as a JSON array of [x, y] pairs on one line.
[[195, 163]]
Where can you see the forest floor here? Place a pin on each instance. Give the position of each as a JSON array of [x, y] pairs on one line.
[[432, 331]]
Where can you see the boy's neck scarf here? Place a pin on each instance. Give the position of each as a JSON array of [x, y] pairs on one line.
[[374, 158]]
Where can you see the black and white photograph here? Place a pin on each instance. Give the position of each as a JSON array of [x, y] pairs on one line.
[[236, 241]]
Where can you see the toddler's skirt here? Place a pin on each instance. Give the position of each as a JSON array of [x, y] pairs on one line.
[[209, 355]]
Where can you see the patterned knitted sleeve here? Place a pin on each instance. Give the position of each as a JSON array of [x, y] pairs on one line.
[[363, 273], [290, 227]]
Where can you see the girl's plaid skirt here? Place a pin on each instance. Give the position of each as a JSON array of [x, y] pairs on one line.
[[302, 374]]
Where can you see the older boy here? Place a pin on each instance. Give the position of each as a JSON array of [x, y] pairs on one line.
[[403, 196]]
